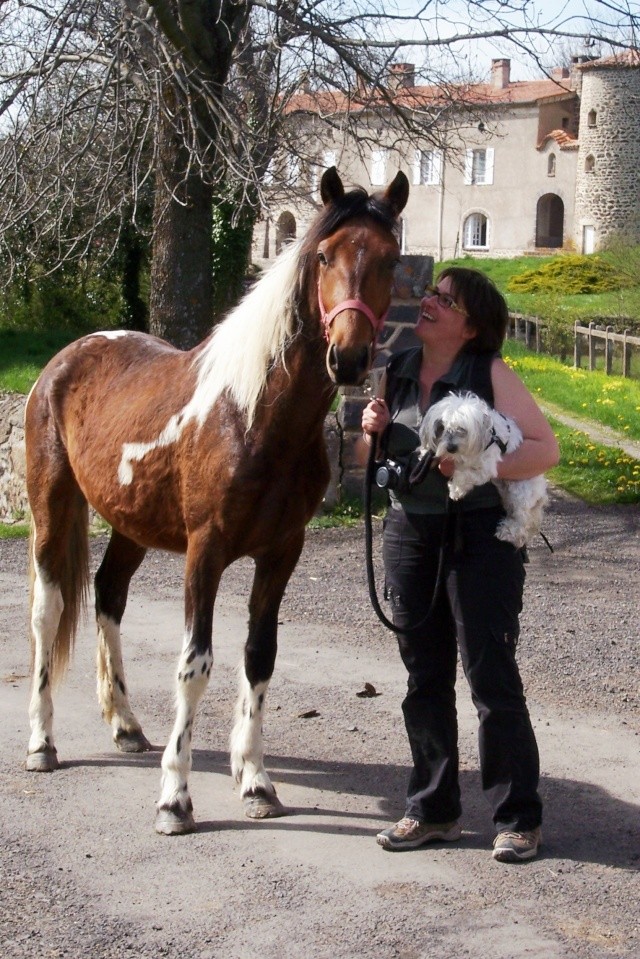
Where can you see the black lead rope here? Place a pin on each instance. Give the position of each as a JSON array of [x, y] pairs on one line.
[[417, 474]]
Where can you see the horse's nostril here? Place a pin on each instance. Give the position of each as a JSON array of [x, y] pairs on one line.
[[332, 358]]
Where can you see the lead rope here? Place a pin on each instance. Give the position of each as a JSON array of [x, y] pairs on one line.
[[368, 535]]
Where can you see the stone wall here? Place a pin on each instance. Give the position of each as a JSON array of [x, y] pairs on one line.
[[609, 153], [13, 495]]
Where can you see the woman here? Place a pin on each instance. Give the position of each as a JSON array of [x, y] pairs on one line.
[[461, 326]]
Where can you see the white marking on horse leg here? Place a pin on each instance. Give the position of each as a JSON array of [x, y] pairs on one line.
[[46, 610], [194, 670], [246, 745], [111, 687]]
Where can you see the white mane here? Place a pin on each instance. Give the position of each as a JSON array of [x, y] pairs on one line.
[[249, 341], [237, 357]]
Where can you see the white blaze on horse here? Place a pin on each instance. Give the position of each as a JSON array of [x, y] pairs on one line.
[[217, 453]]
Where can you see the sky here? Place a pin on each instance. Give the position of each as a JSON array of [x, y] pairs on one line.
[[573, 16]]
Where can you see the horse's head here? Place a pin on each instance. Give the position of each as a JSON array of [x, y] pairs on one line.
[[355, 260]]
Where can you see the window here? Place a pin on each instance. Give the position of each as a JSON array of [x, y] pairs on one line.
[[427, 167], [378, 167], [592, 118], [475, 231], [551, 165], [478, 167], [590, 164]]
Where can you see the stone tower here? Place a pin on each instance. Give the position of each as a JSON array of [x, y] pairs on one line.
[[608, 174]]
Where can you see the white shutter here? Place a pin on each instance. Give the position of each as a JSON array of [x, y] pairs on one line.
[[378, 167], [468, 166], [329, 159], [437, 167], [488, 174], [417, 166]]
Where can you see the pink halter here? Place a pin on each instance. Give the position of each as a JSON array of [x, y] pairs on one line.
[[328, 318]]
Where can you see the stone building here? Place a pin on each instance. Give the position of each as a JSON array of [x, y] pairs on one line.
[[507, 168]]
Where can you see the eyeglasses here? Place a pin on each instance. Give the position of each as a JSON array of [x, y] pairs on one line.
[[444, 300]]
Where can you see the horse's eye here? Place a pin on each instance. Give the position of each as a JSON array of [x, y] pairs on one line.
[[322, 258]]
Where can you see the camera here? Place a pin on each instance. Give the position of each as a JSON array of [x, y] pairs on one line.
[[402, 477], [392, 475]]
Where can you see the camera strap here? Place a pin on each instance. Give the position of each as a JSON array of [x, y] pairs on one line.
[[368, 532]]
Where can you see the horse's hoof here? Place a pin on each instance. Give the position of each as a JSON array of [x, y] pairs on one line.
[[263, 805], [132, 741], [174, 822], [44, 761]]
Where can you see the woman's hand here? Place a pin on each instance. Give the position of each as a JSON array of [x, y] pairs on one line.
[[375, 417]]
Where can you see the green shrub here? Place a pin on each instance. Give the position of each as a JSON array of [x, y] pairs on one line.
[[568, 275]]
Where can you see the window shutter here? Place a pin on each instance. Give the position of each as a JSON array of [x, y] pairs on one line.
[[417, 166], [468, 166], [489, 165], [437, 167]]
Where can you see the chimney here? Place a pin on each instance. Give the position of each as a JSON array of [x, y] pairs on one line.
[[560, 73], [401, 75], [500, 72]]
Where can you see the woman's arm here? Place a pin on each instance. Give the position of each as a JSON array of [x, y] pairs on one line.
[[539, 449]]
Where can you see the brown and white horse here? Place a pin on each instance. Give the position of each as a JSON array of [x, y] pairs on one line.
[[218, 453]]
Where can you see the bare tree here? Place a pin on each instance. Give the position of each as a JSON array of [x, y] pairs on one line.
[[100, 100]]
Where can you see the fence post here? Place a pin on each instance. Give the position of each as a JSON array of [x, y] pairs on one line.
[[592, 347], [577, 347], [626, 355], [608, 351]]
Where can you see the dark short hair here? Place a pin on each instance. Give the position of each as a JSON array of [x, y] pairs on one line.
[[485, 305]]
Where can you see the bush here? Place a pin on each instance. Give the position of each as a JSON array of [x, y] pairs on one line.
[[568, 275]]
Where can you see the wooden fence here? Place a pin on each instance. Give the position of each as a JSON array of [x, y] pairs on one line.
[[592, 334], [589, 342]]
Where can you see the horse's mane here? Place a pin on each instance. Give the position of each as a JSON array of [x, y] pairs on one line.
[[246, 344], [253, 338]]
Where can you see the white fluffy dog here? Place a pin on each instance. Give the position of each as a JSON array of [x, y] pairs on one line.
[[467, 430]]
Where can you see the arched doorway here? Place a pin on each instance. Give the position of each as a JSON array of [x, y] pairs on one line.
[[285, 230], [550, 221]]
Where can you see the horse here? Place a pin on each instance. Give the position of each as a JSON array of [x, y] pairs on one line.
[[218, 453]]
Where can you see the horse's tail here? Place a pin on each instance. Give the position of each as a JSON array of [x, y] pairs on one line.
[[72, 579]]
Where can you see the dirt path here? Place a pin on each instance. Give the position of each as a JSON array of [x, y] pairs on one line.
[[84, 874]]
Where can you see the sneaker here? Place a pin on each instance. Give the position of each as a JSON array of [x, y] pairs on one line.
[[411, 833], [516, 846]]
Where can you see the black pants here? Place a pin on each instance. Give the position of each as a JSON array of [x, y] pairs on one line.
[[477, 608]]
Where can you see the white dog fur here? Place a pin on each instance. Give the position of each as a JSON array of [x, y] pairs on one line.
[[467, 430]]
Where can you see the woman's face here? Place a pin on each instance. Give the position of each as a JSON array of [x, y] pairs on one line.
[[443, 317]]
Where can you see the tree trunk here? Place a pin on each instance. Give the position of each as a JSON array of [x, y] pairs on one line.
[[180, 303]]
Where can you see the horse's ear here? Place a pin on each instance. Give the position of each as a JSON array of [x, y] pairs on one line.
[[331, 188], [397, 193]]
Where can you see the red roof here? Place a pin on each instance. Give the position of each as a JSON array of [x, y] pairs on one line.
[[423, 97]]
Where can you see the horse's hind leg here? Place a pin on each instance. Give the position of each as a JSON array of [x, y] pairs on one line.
[[59, 576], [247, 751], [121, 559]]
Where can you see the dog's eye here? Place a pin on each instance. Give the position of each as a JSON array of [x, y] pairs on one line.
[[438, 429], [462, 432]]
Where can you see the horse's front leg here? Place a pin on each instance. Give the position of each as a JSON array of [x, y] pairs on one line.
[[202, 576], [247, 752]]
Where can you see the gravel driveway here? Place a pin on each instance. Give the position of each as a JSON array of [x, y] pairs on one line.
[[84, 874]]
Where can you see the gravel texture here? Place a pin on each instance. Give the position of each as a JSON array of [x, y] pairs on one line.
[[83, 873]]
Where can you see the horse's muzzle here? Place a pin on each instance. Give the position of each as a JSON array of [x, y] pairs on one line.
[[349, 367]]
